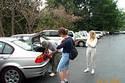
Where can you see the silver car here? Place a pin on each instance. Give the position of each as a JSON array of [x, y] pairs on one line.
[[17, 61]]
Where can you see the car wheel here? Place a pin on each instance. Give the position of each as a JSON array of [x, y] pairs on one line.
[[81, 44], [11, 75]]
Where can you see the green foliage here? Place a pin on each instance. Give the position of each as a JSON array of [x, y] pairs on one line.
[[50, 21], [99, 15], [94, 14]]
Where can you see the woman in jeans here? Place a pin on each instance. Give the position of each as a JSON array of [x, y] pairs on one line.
[[90, 52], [66, 44]]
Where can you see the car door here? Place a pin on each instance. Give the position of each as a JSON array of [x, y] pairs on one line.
[[5, 51]]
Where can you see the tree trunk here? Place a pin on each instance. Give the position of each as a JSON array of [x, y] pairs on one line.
[[30, 28], [1, 28], [29, 25], [1, 25], [12, 21]]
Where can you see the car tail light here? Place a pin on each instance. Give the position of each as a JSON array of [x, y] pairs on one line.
[[42, 58], [39, 58]]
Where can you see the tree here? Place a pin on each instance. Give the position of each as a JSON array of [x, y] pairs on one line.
[[104, 15], [98, 15], [18, 16], [54, 18], [30, 13], [9, 17]]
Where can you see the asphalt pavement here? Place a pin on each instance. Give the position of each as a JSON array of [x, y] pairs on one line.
[[110, 64]]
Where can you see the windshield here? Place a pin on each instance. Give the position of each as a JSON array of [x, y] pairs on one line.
[[23, 45]]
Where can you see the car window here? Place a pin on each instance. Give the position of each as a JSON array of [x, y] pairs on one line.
[[54, 34], [8, 49], [51, 33], [5, 48], [23, 45], [46, 33], [1, 47]]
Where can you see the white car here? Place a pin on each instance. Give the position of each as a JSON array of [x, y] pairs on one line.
[[99, 34], [122, 32], [53, 35], [83, 33], [17, 61], [80, 40]]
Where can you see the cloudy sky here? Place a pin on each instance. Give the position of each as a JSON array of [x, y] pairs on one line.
[[121, 4]]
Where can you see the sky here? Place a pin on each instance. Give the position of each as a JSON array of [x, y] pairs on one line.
[[121, 4]]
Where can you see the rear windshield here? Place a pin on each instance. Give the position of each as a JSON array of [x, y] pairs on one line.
[[23, 45]]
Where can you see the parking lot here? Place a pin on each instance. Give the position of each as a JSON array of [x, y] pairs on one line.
[[109, 64]]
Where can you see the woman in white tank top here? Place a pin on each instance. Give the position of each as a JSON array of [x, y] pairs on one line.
[[90, 52]]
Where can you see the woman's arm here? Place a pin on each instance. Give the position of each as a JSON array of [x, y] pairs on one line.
[[61, 45]]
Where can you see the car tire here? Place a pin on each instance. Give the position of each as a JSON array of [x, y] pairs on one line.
[[81, 44], [12, 75]]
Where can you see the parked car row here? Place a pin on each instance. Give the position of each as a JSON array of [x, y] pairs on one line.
[[79, 37]]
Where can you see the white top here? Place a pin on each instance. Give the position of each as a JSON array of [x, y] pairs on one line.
[[91, 43]]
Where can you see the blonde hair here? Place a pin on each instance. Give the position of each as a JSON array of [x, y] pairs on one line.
[[92, 35]]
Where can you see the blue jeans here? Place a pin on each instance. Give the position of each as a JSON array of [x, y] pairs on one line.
[[64, 62]]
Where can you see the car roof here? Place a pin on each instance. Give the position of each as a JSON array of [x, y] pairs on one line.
[[49, 30], [55, 30]]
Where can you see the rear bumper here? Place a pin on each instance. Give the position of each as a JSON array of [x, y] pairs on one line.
[[35, 71]]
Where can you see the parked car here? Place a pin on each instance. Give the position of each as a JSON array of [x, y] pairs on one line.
[[83, 33], [53, 35], [53, 42], [17, 61], [80, 40], [122, 32], [99, 34]]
